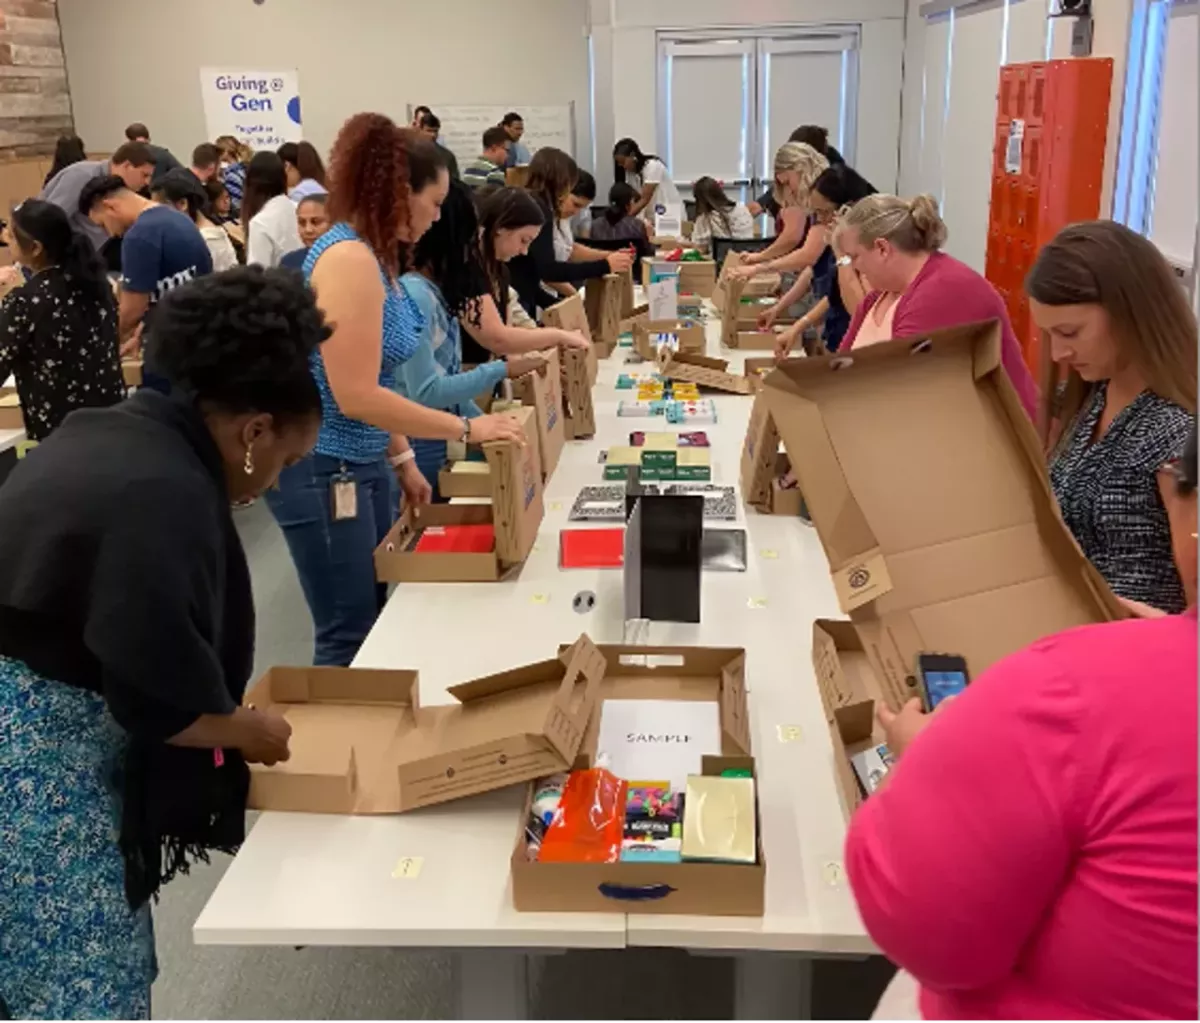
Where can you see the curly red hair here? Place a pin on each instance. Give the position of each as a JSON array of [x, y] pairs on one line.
[[374, 167]]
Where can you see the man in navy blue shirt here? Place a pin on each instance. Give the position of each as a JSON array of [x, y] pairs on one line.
[[161, 249]]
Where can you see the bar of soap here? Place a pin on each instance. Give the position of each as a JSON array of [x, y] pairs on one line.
[[693, 456], [661, 441], [624, 456], [718, 820], [470, 468]]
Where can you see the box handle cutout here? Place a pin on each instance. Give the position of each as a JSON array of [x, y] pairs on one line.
[[841, 362], [652, 660], [922, 347], [637, 893]]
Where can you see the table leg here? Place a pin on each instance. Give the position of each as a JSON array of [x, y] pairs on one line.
[[491, 983], [771, 985]]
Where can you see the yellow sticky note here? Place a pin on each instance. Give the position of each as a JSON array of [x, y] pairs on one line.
[[407, 868], [788, 733], [834, 873], [556, 505], [770, 555], [540, 598], [756, 602]]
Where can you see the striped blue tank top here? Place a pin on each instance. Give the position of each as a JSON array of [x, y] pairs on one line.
[[342, 437]]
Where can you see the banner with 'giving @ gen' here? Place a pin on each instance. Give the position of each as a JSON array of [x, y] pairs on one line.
[[261, 108]]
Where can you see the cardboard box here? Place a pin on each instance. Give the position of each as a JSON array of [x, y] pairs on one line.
[[755, 340], [603, 298], [362, 744], [579, 369], [758, 454], [131, 371], [739, 320], [569, 314], [697, 278], [543, 393], [758, 367], [710, 889], [517, 177], [11, 416], [465, 478], [766, 283], [702, 371], [849, 692], [515, 513], [629, 306], [689, 333], [927, 485]]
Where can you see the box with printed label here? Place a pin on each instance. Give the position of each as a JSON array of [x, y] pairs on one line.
[[688, 336], [603, 298], [579, 369], [542, 391]]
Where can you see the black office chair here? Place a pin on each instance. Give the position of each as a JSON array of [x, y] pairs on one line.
[[721, 247]]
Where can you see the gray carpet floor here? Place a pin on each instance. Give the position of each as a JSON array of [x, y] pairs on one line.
[[270, 983]]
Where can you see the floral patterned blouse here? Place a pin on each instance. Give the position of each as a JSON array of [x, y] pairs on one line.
[[60, 341]]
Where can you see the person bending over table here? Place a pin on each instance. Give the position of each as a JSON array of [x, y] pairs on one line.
[[387, 186], [1121, 332], [797, 167], [127, 640], [552, 175], [1032, 854], [268, 215], [617, 223], [181, 190], [718, 216], [58, 331], [648, 176], [896, 245], [449, 286]]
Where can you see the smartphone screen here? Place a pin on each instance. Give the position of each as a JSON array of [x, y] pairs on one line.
[[941, 684]]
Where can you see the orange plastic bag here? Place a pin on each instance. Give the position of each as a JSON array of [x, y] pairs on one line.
[[589, 822]]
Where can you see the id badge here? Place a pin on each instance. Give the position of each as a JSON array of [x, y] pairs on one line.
[[343, 495]]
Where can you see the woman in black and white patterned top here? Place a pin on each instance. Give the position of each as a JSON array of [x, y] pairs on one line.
[[1118, 324], [58, 331]]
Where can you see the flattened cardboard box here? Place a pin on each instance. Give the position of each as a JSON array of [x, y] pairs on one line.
[[579, 369], [714, 889], [603, 298], [927, 485], [689, 333], [849, 691], [362, 744], [515, 514], [702, 371], [543, 393]]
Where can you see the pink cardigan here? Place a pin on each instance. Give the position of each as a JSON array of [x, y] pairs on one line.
[[1033, 853], [947, 293]]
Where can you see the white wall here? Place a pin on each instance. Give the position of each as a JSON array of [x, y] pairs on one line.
[[624, 45], [137, 60]]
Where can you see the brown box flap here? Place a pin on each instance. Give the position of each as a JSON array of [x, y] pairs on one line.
[[516, 490], [702, 371], [759, 451], [542, 391]]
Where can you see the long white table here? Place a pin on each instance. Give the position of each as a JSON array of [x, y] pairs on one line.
[[306, 879]]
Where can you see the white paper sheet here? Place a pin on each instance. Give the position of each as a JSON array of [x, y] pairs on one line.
[[658, 740]]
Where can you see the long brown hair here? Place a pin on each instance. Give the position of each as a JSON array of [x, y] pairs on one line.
[[552, 175], [505, 209], [1106, 264]]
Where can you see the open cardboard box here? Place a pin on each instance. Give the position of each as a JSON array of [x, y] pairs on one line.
[[698, 278], [710, 889], [766, 283], [849, 692], [515, 482], [927, 485], [603, 300], [362, 744], [517, 177], [543, 393], [570, 314], [702, 371], [131, 371], [11, 416], [739, 319], [689, 333], [579, 369], [755, 340], [763, 464], [758, 367]]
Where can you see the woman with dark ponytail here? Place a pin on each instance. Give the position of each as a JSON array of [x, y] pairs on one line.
[[58, 332]]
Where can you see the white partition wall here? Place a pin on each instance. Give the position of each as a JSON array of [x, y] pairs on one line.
[[1177, 167]]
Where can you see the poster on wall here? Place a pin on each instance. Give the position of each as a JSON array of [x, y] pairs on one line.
[[262, 108]]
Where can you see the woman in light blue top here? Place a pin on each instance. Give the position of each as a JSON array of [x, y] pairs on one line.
[[446, 287], [337, 505]]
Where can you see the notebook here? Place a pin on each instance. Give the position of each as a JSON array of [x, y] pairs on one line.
[[478, 539], [591, 548]]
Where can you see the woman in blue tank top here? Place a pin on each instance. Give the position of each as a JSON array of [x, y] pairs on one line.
[[387, 186]]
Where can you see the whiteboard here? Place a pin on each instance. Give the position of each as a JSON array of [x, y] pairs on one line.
[[463, 126], [1173, 228]]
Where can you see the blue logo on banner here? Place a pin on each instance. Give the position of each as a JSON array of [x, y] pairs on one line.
[[293, 109]]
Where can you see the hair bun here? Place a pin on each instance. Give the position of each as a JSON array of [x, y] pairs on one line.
[[923, 209]]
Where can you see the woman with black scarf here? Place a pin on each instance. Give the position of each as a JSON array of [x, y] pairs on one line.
[[127, 640]]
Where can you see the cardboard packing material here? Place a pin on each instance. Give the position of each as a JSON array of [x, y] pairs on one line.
[[702, 371], [11, 416], [465, 478], [755, 340], [517, 177], [698, 278], [739, 320], [849, 692], [629, 306], [131, 371], [766, 283], [927, 485], [543, 393], [603, 298], [758, 454], [362, 743], [515, 484], [579, 369], [711, 889], [689, 333], [757, 367]]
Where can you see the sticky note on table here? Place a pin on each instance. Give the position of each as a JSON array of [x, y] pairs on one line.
[[408, 868]]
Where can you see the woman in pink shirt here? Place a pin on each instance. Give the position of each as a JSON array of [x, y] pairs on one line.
[[896, 244], [1033, 853]]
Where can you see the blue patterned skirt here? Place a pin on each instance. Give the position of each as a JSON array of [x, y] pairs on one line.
[[70, 946]]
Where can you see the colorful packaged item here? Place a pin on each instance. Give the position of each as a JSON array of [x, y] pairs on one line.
[[547, 794], [589, 822], [653, 823], [719, 822]]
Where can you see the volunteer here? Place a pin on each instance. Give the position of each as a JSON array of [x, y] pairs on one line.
[[649, 177], [268, 215], [1032, 854], [576, 205], [448, 286], [312, 221], [552, 175], [896, 244], [387, 185], [304, 169], [797, 166], [717, 216], [838, 288], [1119, 329], [68, 149], [811, 135], [127, 639], [58, 331], [180, 189], [618, 223], [235, 158]]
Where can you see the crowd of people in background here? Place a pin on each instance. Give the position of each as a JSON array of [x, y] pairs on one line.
[[382, 294]]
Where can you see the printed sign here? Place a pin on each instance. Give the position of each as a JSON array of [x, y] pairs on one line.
[[1012, 152], [261, 108]]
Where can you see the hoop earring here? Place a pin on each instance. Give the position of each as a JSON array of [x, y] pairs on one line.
[[248, 465]]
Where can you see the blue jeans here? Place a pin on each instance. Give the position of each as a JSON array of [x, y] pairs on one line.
[[335, 559]]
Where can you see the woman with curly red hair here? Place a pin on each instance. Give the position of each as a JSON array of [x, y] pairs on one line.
[[387, 185]]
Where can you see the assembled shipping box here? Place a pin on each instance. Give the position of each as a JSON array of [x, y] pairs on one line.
[[765, 283], [464, 476], [602, 299], [515, 485], [362, 743], [739, 318], [647, 335], [579, 369], [517, 177], [849, 692], [927, 485], [702, 371], [709, 889], [542, 392]]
